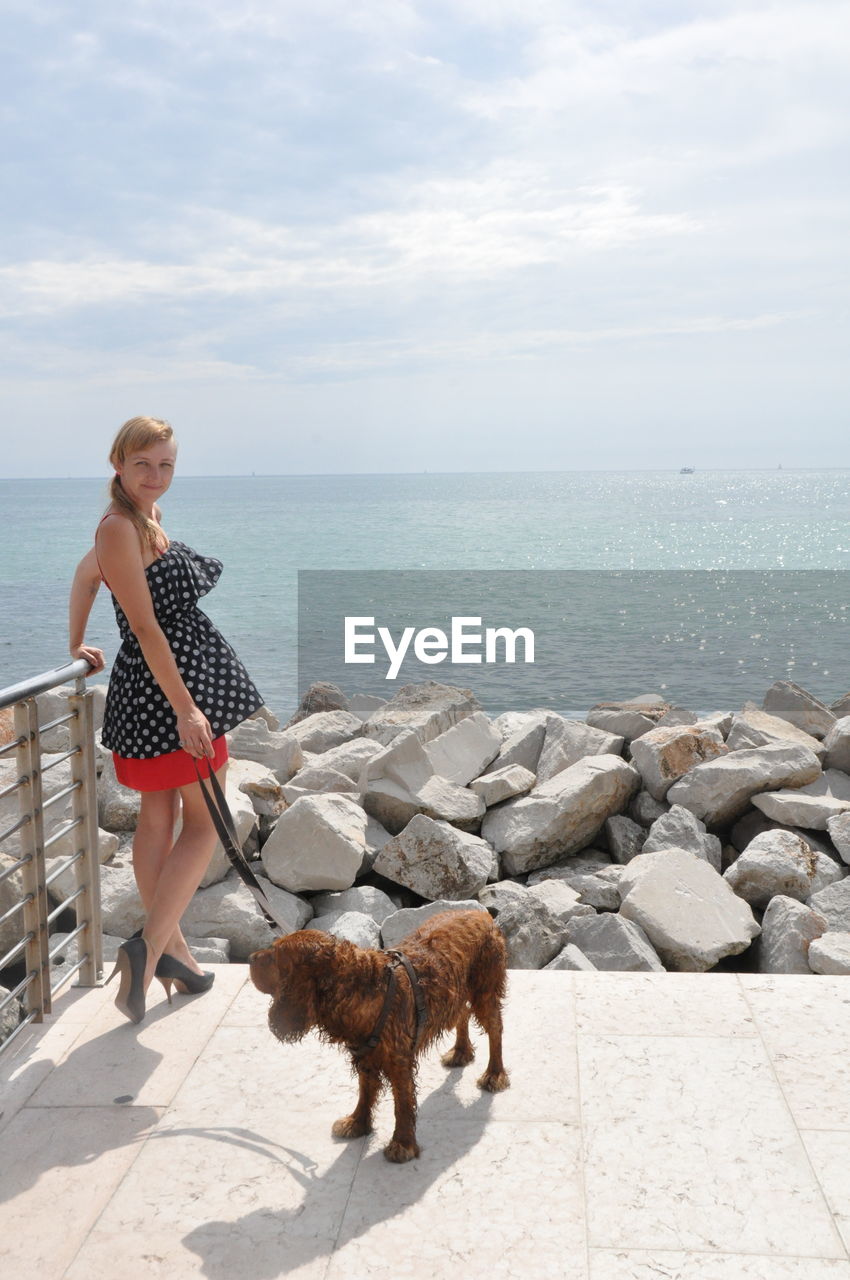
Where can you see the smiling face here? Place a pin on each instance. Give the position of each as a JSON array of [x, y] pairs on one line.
[[147, 473]]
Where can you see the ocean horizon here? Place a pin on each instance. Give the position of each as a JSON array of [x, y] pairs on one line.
[[265, 528]]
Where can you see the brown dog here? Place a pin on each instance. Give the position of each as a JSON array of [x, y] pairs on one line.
[[341, 990]]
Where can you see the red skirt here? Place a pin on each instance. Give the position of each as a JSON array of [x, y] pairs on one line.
[[164, 773]]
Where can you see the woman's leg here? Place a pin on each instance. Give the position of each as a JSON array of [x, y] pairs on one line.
[[180, 873], [152, 844]]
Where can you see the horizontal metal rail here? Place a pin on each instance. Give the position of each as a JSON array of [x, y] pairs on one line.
[[43, 683]]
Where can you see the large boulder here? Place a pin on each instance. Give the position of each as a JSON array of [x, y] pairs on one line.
[[281, 753], [533, 934], [630, 718], [504, 784], [838, 827], [718, 791], [321, 696], [753, 727], [837, 745], [687, 910], [352, 926], [400, 782], [259, 784], [117, 806], [565, 742], [788, 928], [363, 899], [325, 729], [788, 701], [560, 816], [317, 844], [663, 755], [435, 860], [830, 953], [464, 751], [680, 829], [522, 746], [624, 838], [229, 910], [429, 709], [561, 899], [833, 902], [811, 805], [315, 779], [349, 757], [571, 958], [612, 942]]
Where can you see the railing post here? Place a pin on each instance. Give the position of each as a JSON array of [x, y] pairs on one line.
[[85, 807], [28, 756]]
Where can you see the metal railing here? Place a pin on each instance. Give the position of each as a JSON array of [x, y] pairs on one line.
[[37, 989]]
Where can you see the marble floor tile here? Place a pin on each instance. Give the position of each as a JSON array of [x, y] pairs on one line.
[[668, 1264], [147, 1062], [657, 1004], [58, 1169], [468, 1207], [226, 1201], [829, 1156], [689, 1145], [805, 1024]]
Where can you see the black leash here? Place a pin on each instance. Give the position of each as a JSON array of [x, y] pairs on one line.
[[226, 828], [398, 958]]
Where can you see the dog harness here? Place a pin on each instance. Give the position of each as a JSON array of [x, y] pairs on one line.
[[397, 958]]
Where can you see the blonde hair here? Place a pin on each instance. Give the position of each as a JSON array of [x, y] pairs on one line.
[[136, 435]]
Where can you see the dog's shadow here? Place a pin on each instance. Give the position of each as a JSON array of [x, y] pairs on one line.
[[268, 1243]]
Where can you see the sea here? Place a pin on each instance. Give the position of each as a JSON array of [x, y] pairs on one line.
[[705, 587]]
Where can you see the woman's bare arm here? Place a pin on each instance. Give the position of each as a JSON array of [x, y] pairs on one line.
[[83, 591], [121, 559]]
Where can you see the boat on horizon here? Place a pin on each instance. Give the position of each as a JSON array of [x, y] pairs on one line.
[[686, 471]]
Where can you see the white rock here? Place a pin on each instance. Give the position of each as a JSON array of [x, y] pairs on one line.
[[560, 816], [503, 784], [259, 784], [598, 891], [689, 913], [496, 896], [366, 900], [117, 806], [588, 862], [326, 729], [570, 958], [314, 780], [561, 899], [838, 827], [788, 701], [281, 753], [645, 809], [317, 844], [663, 755], [228, 910], [436, 861], [811, 805], [533, 934], [680, 829], [628, 720], [400, 783], [464, 751], [837, 745], [718, 791], [833, 902], [376, 837], [429, 709], [397, 927], [523, 745], [753, 727], [566, 742], [350, 758], [364, 705], [830, 954], [612, 942], [121, 910], [787, 929]]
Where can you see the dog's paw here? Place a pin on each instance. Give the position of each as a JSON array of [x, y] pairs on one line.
[[494, 1081], [400, 1154], [458, 1057], [350, 1127]]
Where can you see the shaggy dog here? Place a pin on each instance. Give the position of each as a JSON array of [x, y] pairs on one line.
[[321, 982]]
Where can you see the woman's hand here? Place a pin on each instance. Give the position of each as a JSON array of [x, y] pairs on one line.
[[94, 657], [194, 732]]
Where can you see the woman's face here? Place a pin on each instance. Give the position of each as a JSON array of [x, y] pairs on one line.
[[146, 475]]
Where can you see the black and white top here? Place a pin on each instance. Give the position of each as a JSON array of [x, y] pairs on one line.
[[138, 721]]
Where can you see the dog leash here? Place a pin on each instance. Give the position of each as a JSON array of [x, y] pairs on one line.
[[397, 958], [226, 829]]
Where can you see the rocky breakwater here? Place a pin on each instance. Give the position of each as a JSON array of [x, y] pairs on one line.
[[643, 837]]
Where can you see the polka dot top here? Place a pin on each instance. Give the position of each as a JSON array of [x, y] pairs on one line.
[[138, 721]]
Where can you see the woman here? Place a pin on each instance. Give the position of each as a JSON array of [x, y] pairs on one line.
[[176, 687]]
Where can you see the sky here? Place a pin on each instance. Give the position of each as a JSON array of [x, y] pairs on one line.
[[398, 235]]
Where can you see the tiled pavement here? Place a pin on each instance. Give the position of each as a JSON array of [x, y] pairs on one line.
[[687, 1126]]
